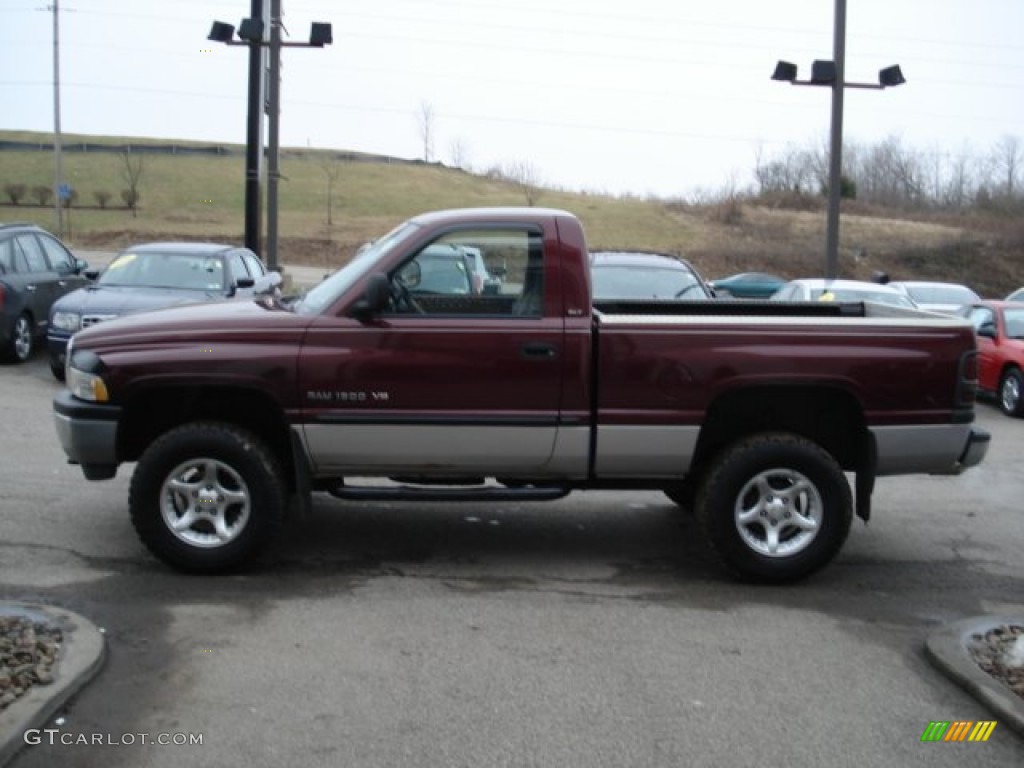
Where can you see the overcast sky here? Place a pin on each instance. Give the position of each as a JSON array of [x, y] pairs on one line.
[[648, 96]]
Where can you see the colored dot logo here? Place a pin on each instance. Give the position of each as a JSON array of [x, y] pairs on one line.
[[206, 50]]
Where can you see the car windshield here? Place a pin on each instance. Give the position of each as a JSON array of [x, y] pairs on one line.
[[627, 282], [318, 298], [158, 269]]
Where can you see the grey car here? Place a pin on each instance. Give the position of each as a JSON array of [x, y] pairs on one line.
[[36, 269], [154, 276]]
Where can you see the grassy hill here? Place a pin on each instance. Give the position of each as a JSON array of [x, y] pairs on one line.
[[189, 196]]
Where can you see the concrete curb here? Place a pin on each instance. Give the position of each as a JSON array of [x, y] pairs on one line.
[[947, 648], [81, 657]]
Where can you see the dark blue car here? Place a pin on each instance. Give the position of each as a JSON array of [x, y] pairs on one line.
[[155, 276]]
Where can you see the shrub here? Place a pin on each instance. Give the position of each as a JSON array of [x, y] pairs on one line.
[[728, 212], [42, 194], [102, 197], [15, 192]]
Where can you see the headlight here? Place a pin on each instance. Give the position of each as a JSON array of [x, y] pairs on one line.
[[86, 386], [67, 321]]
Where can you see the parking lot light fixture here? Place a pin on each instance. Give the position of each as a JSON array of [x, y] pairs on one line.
[[252, 32], [785, 72], [831, 74], [221, 32]]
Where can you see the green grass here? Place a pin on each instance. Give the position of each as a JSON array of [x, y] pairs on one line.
[[202, 197]]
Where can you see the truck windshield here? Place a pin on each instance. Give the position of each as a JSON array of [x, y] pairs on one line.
[[317, 299]]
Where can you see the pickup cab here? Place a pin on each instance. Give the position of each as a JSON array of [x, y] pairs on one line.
[[383, 383]]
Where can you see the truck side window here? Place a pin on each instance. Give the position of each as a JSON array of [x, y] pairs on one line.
[[479, 272]]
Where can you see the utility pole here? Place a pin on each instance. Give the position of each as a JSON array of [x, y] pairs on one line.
[[835, 157], [833, 74], [254, 139], [273, 136], [58, 171]]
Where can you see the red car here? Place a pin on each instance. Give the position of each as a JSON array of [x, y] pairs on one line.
[[999, 326]]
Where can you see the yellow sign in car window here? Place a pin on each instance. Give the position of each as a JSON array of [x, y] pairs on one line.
[[122, 261]]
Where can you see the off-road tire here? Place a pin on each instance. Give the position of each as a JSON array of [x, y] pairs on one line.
[[779, 483], [181, 475]]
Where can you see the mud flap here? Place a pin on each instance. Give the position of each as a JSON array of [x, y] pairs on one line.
[[301, 502], [863, 487]]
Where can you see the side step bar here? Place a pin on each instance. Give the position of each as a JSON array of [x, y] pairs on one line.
[[476, 493]]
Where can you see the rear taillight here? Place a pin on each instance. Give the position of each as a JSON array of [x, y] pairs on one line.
[[3, 295], [967, 380]]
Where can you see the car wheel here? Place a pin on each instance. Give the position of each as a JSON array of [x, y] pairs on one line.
[[207, 497], [775, 507], [1011, 387], [57, 370], [22, 342]]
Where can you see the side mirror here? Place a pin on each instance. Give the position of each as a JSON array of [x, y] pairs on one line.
[[266, 285], [987, 329], [375, 298], [81, 266]]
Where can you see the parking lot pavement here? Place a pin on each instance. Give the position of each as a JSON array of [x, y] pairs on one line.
[[592, 631]]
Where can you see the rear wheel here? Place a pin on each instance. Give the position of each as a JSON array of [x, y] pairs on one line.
[[22, 342], [207, 497], [775, 507], [1011, 387]]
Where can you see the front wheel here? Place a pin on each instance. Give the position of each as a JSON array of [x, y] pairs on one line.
[[775, 507], [1011, 387], [207, 497]]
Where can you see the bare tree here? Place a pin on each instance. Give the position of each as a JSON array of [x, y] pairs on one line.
[[331, 166], [458, 153], [526, 177], [425, 122], [1007, 157], [131, 172]]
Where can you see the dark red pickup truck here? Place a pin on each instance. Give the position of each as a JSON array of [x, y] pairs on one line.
[[400, 367]]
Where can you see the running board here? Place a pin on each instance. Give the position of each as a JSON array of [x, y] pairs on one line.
[[479, 493]]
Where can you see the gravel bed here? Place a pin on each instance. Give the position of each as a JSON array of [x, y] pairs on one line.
[[28, 653], [998, 653]]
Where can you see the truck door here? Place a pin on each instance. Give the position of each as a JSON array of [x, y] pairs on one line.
[[449, 379]]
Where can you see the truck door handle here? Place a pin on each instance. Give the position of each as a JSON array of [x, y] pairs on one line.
[[539, 349]]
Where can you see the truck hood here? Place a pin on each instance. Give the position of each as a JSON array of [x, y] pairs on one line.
[[200, 322]]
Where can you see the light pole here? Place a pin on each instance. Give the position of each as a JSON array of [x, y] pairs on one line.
[[251, 31], [58, 171], [832, 73]]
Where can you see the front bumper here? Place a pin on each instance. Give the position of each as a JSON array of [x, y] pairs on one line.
[[88, 434], [57, 346]]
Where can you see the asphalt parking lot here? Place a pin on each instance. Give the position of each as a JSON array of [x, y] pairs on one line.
[[593, 631]]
